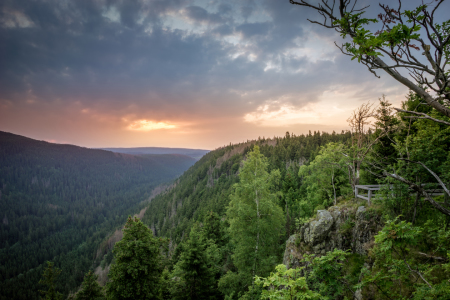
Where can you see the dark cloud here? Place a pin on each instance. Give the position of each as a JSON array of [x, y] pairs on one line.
[[250, 29], [199, 14], [224, 8], [143, 58], [223, 30]]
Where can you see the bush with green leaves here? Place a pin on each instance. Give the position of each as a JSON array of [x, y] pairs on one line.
[[286, 284], [410, 262]]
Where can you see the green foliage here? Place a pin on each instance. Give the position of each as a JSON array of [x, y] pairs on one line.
[[286, 284], [367, 43], [137, 270], [59, 202], [325, 274], [408, 142], [207, 185], [256, 221], [194, 274], [325, 176], [90, 289], [232, 284], [48, 279], [401, 270], [444, 31]]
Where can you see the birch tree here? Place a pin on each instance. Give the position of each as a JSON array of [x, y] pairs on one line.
[[325, 174], [256, 221]]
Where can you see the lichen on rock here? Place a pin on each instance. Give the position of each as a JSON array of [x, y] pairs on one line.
[[339, 227]]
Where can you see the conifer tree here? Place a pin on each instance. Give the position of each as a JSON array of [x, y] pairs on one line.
[[48, 279], [90, 289], [137, 270], [194, 276], [213, 229]]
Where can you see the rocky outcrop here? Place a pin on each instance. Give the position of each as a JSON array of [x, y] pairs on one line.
[[339, 227]]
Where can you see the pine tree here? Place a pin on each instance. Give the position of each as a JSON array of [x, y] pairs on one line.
[[137, 270], [90, 289], [48, 279]]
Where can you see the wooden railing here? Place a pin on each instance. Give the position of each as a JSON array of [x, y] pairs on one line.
[[376, 187]]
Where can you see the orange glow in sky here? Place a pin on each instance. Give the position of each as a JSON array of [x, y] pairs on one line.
[[190, 74]]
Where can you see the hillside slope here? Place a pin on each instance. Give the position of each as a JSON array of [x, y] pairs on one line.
[[58, 202], [206, 186]]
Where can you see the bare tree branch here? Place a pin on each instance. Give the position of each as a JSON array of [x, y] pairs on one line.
[[424, 116], [441, 183], [418, 188]]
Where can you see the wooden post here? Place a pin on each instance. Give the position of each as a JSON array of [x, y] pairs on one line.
[[356, 192], [370, 195]]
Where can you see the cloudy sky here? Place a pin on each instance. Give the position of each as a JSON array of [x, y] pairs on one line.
[[174, 73]]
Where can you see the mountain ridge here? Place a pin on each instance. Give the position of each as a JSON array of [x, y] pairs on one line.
[[194, 153]]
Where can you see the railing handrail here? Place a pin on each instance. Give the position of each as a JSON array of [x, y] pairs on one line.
[[377, 187]]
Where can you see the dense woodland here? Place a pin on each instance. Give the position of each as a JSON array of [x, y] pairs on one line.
[[59, 202], [219, 231], [207, 185]]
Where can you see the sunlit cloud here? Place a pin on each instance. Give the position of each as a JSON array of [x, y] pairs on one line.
[[146, 125], [273, 115]]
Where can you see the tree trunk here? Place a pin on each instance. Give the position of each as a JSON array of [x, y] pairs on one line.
[[334, 188], [258, 215]]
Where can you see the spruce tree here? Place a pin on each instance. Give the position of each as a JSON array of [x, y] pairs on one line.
[[90, 289], [195, 278], [48, 279], [137, 270]]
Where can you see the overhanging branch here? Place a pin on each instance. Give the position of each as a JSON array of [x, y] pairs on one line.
[[424, 116]]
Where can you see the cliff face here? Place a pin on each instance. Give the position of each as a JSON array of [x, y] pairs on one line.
[[339, 227]]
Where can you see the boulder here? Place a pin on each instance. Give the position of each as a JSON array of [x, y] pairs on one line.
[[318, 229]]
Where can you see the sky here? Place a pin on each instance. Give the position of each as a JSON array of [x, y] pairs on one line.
[[175, 73]]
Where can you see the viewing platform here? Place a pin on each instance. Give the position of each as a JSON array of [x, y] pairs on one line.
[[371, 188]]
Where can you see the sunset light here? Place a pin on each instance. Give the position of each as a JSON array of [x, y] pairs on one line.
[[217, 149], [145, 125]]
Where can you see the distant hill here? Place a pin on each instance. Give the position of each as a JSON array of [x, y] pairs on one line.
[[58, 202], [195, 153]]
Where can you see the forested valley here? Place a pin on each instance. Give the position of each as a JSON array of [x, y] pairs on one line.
[[59, 202]]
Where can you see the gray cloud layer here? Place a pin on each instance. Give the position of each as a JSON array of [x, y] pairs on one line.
[[168, 58]]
